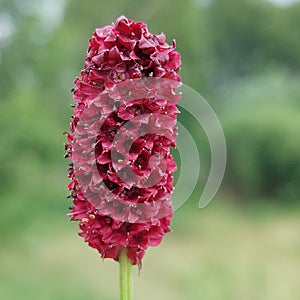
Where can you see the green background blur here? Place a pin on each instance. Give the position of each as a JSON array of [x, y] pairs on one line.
[[243, 56]]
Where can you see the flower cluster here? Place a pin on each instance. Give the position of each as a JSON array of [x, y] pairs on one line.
[[121, 189]]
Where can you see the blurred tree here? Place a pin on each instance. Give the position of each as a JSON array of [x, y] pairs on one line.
[[261, 124], [248, 35]]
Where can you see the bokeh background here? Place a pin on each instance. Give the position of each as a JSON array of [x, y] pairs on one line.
[[243, 56]]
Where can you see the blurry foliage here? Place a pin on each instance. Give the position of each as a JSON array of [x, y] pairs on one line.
[[262, 129], [229, 50], [264, 154], [248, 35]]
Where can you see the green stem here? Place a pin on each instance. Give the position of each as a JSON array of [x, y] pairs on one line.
[[125, 276]]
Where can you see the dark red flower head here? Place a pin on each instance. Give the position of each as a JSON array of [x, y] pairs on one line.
[[123, 127]]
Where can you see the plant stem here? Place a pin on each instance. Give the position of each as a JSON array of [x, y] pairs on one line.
[[125, 276]]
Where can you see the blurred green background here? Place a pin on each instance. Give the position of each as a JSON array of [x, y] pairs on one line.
[[243, 56]]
